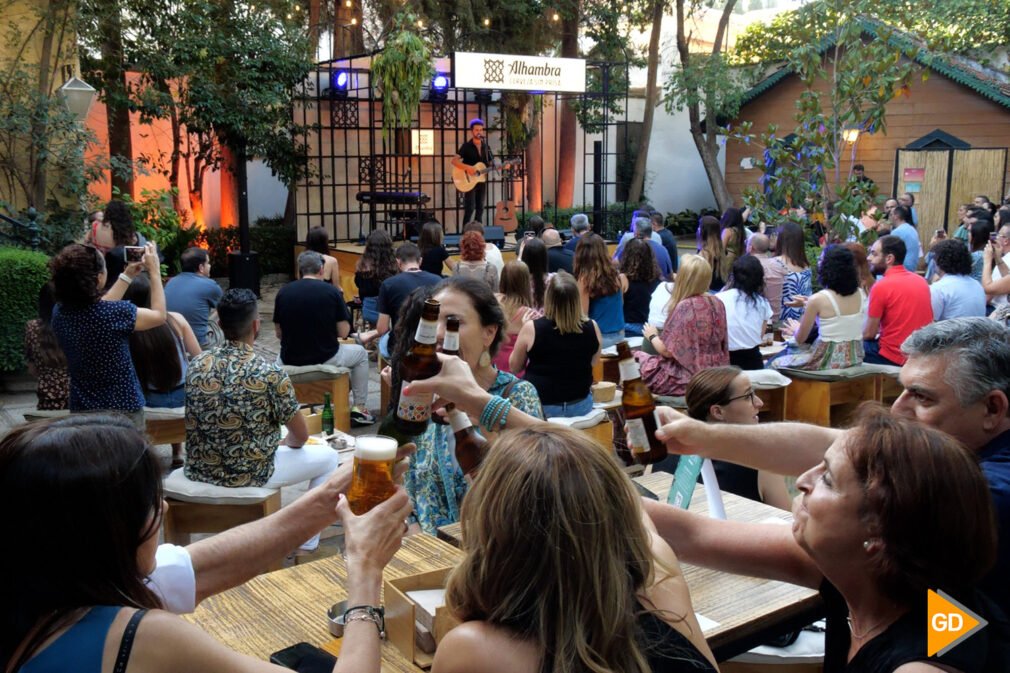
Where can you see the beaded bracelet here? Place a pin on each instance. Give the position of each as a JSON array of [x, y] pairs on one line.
[[490, 413], [503, 413]]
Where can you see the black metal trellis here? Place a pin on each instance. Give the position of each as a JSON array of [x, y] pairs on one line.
[[348, 154]]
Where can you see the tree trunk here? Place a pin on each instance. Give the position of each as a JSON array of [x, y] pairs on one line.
[[534, 175], [116, 92], [40, 130], [651, 100], [315, 26], [709, 153], [176, 154], [568, 123], [348, 38]]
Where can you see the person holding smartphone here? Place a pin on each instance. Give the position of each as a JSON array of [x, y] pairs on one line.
[[117, 217]]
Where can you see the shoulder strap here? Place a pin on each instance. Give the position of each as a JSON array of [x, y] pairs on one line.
[[834, 304], [126, 644]]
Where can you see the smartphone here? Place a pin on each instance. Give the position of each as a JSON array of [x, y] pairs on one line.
[[940, 233], [304, 658], [133, 253], [531, 234], [992, 237]]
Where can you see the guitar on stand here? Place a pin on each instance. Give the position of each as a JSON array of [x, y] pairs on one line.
[[465, 181], [505, 210]]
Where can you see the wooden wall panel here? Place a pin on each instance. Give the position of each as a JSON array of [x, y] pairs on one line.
[[932, 197], [936, 103]]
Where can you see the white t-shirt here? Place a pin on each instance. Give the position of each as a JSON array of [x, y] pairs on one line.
[[657, 305], [1000, 299], [745, 319], [493, 257], [173, 579]]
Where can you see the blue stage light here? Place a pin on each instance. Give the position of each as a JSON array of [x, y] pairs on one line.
[[439, 87], [340, 83]]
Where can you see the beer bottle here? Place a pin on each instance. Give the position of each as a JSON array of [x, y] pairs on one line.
[[470, 446], [639, 410], [420, 362], [327, 415], [450, 346]]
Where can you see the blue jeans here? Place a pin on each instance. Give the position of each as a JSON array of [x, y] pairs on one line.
[[173, 399], [633, 329], [872, 356], [370, 309], [611, 338], [569, 409]]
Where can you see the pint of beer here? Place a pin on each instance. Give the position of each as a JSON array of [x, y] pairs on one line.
[[372, 476]]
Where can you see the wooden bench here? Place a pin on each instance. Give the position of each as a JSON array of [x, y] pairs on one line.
[[314, 381], [195, 507], [828, 401]]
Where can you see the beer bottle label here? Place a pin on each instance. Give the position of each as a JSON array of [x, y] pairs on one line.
[[416, 407], [427, 332], [629, 369], [638, 439], [450, 344], [459, 421]]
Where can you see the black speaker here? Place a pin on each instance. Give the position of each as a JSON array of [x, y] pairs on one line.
[[244, 271]]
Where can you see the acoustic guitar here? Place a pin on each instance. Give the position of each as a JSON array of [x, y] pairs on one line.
[[505, 210], [465, 182]]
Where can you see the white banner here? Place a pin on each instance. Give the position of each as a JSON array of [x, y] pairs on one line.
[[513, 72]]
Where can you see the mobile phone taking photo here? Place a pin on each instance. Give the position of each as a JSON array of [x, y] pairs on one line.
[[133, 253]]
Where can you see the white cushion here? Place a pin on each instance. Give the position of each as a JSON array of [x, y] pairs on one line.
[[311, 373], [677, 402], [839, 374], [767, 379], [164, 413], [593, 418], [178, 487], [36, 414]]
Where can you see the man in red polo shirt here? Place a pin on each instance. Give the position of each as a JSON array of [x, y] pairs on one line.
[[899, 303]]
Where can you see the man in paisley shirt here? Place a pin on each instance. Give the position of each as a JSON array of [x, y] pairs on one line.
[[236, 402]]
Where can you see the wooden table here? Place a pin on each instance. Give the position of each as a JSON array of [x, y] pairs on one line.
[[749, 611], [273, 611]]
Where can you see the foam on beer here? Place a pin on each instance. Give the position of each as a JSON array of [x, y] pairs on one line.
[[375, 447]]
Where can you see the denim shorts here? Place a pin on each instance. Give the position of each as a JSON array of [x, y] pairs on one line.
[[569, 409]]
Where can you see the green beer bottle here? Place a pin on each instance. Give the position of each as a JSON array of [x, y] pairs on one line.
[[327, 415]]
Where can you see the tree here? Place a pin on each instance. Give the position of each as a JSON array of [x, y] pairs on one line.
[[651, 101], [862, 63], [704, 85]]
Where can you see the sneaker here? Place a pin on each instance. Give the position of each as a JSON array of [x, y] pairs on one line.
[[361, 416]]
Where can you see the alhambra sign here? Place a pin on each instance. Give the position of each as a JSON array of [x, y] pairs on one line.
[[512, 72]]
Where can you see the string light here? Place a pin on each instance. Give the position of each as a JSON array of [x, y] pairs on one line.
[[348, 3], [487, 22], [354, 20], [556, 17], [420, 24]]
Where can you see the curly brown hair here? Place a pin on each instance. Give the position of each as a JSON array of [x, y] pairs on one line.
[[471, 247], [75, 273], [593, 267], [638, 262]]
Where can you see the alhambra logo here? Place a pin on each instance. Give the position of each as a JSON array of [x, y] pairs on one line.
[[543, 70], [494, 70]]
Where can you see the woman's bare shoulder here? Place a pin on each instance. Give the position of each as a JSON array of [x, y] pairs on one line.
[[480, 646]]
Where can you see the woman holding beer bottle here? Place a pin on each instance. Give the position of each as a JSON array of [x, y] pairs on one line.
[[434, 481]]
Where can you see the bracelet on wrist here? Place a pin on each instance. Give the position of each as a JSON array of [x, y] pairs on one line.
[[125, 278]]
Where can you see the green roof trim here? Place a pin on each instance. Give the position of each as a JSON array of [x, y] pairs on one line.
[[940, 63]]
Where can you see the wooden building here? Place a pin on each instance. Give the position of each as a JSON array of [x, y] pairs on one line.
[[951, 131]]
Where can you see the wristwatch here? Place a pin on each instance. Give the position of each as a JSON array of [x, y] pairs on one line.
[[340, 615]]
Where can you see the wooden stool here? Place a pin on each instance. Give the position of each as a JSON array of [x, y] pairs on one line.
[[890, 388], [196, 507], [313, 381], [812, 400], [165, 426]]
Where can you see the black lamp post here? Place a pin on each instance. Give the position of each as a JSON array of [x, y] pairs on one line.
[[243, 266]]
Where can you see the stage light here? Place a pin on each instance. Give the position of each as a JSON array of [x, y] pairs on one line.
[[340, 83], [439, 87]]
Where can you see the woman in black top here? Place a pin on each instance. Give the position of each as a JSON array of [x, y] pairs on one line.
[[894, 509], [433, 253], [561, 349], [376, 264], [638, 264]]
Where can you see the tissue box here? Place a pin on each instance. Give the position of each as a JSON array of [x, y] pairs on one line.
[[314, 421], [604, 391], [402, 613]]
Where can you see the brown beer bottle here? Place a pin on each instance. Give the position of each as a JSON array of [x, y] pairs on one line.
[[470, 446], [639, 410], [420, 362], [450, 346]]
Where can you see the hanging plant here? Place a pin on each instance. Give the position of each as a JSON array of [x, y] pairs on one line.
[[400, 72]]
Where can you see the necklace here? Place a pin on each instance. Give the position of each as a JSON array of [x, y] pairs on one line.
[[861, 636]]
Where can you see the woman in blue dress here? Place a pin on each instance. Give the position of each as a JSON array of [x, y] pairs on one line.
[[796, 285], [434, 481]]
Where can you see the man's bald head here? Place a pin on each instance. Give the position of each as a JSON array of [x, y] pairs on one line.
[[759, 244]]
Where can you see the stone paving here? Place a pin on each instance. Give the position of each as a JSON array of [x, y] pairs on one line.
[[17, 396]]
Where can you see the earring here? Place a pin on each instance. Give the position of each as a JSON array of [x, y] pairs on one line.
[[866, 544], [484, 360]]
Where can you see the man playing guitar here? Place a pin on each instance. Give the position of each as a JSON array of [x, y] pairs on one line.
[[470, 153]]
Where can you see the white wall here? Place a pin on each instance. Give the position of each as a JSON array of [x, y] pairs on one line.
[[267, 194]]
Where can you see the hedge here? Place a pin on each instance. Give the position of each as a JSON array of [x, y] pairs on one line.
[[617, 219], [22, 275], [273, 242]]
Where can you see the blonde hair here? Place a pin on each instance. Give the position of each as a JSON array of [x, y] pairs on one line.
[[694, 277], [514, 287], [569, 583], [563, 305]]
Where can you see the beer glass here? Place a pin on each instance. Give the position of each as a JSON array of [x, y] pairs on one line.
[[372, 475]]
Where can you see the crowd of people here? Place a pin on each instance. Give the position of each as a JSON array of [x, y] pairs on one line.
[[601, 587]]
